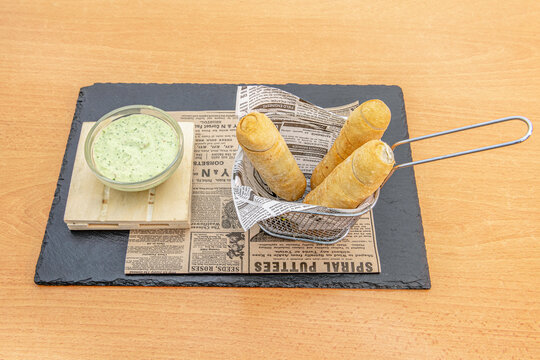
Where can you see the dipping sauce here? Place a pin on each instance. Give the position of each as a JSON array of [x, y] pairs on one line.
[[135, 148]]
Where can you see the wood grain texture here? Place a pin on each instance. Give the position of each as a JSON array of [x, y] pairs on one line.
[[91, 205], [458, 62]]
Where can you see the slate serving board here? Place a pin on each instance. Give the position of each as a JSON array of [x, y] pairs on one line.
[[97, 257]]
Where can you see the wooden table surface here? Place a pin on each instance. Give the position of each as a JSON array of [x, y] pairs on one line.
[[458, 62]]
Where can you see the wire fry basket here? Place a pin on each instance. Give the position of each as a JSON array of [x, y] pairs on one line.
[[323, 225]]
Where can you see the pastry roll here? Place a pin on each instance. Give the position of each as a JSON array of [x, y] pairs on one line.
[[356, 178], [367, 122], [269, 154]]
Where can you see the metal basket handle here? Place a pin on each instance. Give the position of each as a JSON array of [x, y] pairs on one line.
[[508, 143]]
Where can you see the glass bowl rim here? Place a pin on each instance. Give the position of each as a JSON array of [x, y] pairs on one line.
[[88, 144]]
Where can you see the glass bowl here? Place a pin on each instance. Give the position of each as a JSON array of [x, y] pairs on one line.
[[118, 114]]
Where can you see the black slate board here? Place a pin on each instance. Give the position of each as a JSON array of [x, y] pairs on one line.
[[97, 257]]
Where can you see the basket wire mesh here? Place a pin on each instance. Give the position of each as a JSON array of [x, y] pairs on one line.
[[327, 226]]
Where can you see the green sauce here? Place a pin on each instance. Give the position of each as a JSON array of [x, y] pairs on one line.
[[135, 148]]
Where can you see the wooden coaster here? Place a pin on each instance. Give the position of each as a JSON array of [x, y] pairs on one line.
[[93, 206]]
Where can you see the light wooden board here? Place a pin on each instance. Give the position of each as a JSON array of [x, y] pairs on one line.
[[91, 205], [458, 62]]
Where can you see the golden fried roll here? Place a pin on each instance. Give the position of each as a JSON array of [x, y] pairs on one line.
[[269, 154], [356, 178], [367, 122]]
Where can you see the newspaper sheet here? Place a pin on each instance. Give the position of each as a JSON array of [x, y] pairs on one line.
[[216, 242]]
